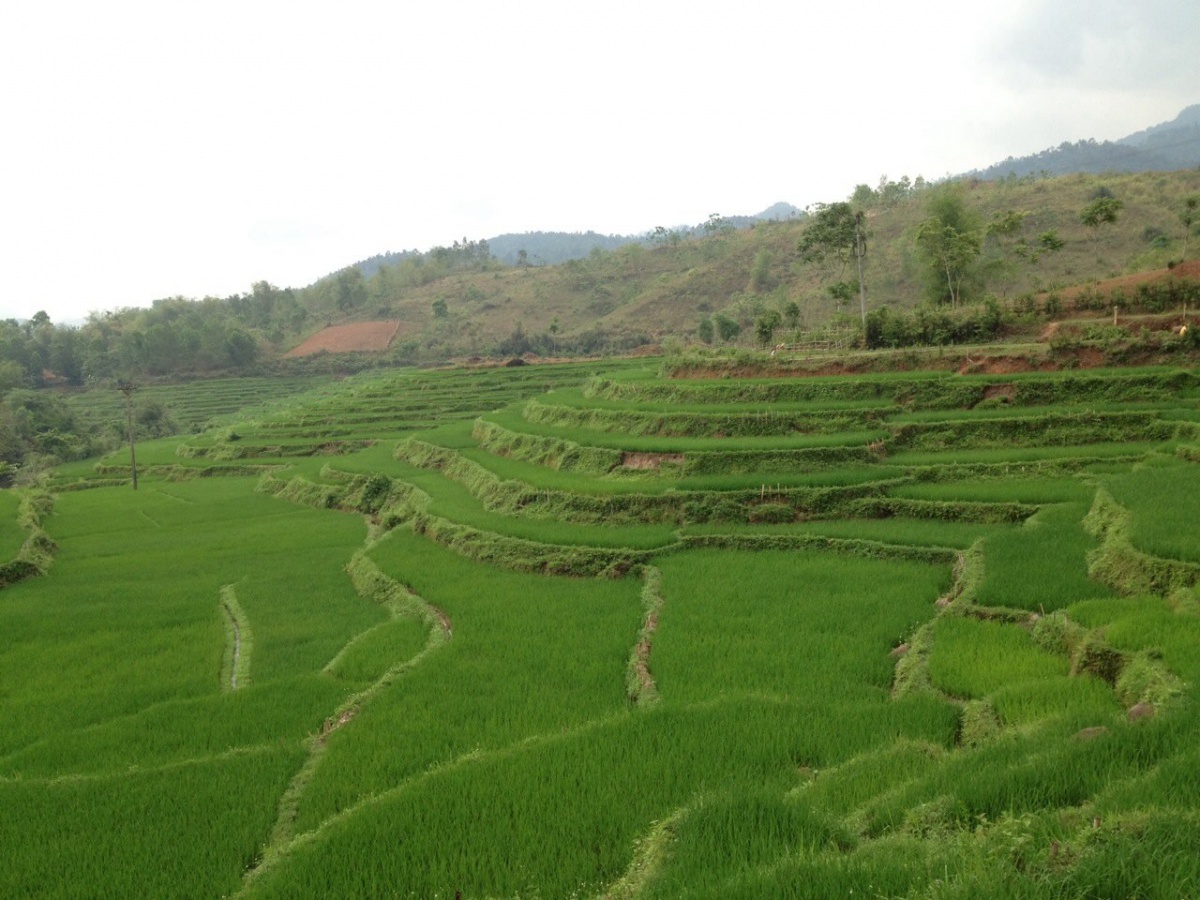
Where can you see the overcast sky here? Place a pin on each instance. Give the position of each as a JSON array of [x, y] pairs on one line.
[[153, 149]]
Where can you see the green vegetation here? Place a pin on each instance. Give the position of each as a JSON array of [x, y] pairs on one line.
[[591, 630], [1161, 500], [1042, 566]]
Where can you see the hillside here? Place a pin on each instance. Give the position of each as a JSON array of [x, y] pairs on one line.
[[633, 294]]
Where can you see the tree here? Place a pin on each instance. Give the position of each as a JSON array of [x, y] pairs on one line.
[[791, 315], [760, 272], [705, 330], [65, 358], [950, 238], [1189, 216], [863, 195], [717, 225], [890, 193], [661, 237], [1006, 245], [1050, 242], [1003, 246], [838, 231], [350, 292], [262, 300], [765, 325], [727, 329], [954, 252], [1101, 211], [241, 348], [154, 420], [440, 310], [127, 387], [516, 343], [841, 293], [716, 230]]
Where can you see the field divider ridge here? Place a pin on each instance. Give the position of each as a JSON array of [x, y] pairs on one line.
[[697, 423], [565, 455], [848, 546], [651, 852], [867, 500], [642, 688], [912, 661], [37, 552], [278, 850], [372, 584], [239, 641], [1117, 563]]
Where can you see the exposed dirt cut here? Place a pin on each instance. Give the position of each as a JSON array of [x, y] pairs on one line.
[[1000, 390], [360, 337], [1129, 283], [649, 460], [996, 365]]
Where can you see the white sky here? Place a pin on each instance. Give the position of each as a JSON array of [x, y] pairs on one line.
[[152, 149]]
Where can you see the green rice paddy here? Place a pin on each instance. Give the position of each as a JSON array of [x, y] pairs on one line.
[[661, 638]]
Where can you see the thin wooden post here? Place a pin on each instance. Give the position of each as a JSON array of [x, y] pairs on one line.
[[127, 388]]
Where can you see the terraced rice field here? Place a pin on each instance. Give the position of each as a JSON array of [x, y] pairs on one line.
[[195, 403], [591, 631]]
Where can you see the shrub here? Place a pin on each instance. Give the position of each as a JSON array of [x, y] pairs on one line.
[[773, 513]]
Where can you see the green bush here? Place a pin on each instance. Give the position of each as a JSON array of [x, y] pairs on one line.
[[771, 513]]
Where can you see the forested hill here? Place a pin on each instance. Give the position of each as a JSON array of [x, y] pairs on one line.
[[1168, 147]]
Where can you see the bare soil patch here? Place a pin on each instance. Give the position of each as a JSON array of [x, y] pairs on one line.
[[995, 365], [443, 620], [359, 337], [1000, 390], [649, 460]]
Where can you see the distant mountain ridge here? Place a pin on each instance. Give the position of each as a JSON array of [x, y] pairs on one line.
[[553, 247], [548, 248], [1166, 147], [1169, 131]]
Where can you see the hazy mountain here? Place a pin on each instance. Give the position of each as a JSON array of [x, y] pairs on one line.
[[778, 212], [1181, 127], [547, 248], [1167, 147]]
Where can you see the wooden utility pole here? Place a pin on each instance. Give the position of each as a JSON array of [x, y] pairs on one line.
[[127, 387], [860, 253]]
